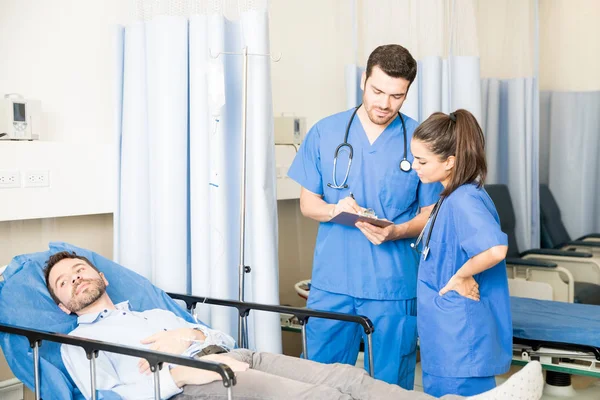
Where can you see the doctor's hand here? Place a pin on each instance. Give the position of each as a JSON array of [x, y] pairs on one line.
[[175, 341], [375, 234], [347, 204], [466, 287]]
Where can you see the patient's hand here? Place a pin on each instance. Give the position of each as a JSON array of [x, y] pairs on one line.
[[193, 376], [235, 365], [175, 341]]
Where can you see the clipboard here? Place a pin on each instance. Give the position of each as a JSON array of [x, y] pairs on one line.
[[349, 219]]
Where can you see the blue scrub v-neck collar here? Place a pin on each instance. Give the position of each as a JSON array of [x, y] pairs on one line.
[[374, 147]]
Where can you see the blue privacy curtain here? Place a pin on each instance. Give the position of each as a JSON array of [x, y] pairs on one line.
[[569, 110], [457, 44], [571, 168], [509, 53], [180, 144]]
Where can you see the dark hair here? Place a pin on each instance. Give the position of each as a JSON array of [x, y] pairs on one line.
[[458, 135], [55, 259], [394, 60]]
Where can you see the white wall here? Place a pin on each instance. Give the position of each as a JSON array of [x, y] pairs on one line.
[[61, 53], [81, 180], [314, 38], [506, 42], [570, 45]]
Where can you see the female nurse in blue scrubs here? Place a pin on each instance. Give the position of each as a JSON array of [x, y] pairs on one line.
[[463, 311]]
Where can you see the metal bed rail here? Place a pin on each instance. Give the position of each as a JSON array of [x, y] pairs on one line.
[[560, 358], [302, 314], [92, 347]]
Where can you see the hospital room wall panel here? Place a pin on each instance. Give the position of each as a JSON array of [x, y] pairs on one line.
[[296, 247], [87, 231]]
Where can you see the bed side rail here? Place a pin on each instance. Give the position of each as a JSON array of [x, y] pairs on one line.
[[302, 314], [92, 347], [536, 345]]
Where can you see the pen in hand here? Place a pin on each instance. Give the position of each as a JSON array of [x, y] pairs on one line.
[[352, 197]]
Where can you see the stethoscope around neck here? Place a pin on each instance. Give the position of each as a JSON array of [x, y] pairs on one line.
[[404, 164], [431, 223]]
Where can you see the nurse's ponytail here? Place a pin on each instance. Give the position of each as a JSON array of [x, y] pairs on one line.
[[458, 135]]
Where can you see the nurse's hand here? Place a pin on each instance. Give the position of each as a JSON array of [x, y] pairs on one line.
[[466, 287], [375, 234], [347, 204]]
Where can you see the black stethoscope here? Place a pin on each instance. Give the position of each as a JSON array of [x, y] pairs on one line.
[[431, 219], [404, 164]]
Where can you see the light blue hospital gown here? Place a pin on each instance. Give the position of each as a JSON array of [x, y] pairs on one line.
[[349, 273], [463, 342]]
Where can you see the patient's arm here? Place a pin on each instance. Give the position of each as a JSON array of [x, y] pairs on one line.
[[107, 377], [175, 341], [184, 338]]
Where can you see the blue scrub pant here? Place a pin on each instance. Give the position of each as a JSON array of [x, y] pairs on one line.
[[394, 339], [440, 386]]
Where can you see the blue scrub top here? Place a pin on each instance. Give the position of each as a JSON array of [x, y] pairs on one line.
[[345, 262], [460, 337]]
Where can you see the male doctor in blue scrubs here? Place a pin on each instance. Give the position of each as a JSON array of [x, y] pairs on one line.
[[365, 269]]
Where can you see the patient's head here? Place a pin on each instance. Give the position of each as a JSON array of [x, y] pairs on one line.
[[74, 283]]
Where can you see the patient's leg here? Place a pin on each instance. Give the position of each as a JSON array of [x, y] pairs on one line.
[[274, 376], [253, 385], [343, 378]]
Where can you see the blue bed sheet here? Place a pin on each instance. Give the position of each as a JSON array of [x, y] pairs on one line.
[[554, 321]]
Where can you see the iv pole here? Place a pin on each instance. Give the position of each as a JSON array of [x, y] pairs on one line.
[[243, 268]]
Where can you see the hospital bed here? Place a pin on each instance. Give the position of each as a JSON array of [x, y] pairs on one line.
[[32, 328], [563, 337], [568, 276]]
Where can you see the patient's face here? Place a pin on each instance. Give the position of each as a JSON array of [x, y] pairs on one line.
[[76, 284]]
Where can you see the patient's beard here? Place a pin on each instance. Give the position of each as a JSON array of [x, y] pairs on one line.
[[96, 288]]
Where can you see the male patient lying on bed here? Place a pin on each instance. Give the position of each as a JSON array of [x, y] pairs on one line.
[[78, 287]]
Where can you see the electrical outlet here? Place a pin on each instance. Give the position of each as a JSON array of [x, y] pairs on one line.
[[37, 178], [10, 179]]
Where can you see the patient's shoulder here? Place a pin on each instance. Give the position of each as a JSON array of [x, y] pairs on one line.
[[82, 331]]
